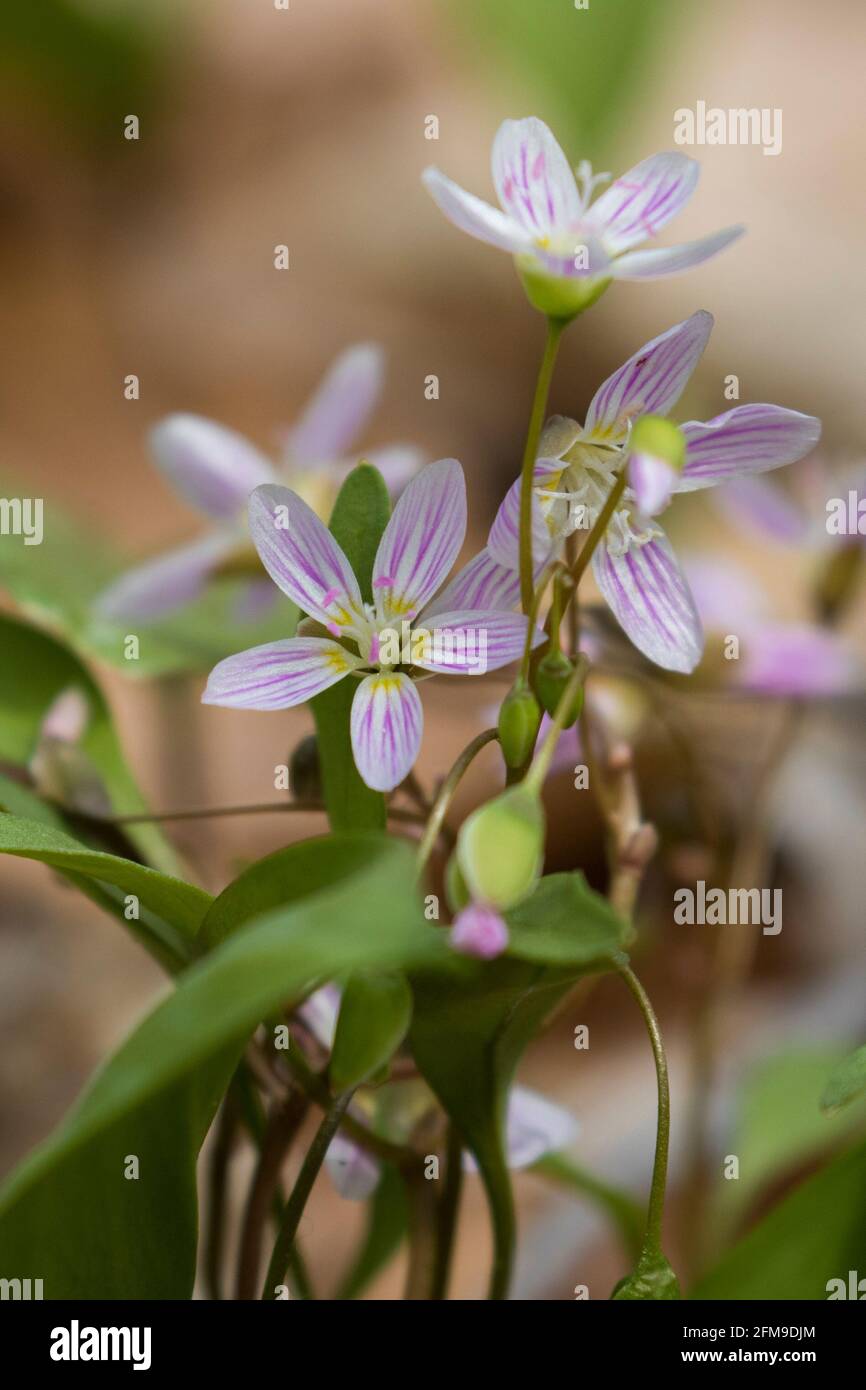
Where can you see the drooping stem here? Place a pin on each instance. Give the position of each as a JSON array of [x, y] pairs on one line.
[[294, 1208], [446, 1217], [555, 329], [655, 1208], [446, 793]]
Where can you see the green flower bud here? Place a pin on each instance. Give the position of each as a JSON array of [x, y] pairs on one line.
[[519, 718], [552, 675], [557, 296], [500, 848], [653, 434]]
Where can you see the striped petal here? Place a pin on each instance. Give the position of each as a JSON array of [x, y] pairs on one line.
[[469, 643], [212, 467], [302, 557], [354, 1172], [652, 602], [652, 380], [341, 406], [503, 538], [746, 440], [644, 200], [386, 726], [474, 216], [278, 675], [533, 178], [764, 507], [482, 584], [165, 584], [670, 260], [422, 539]]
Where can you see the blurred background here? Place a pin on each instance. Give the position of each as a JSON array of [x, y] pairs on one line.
[[306, 127]]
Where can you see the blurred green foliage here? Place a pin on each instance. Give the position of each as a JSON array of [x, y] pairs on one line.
[[583, 70], [90, 63]]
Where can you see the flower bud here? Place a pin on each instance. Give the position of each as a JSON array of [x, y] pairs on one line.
[[552, 675], [519, 718], [500, 847], [305, 771], [657, 453], [479, 931]]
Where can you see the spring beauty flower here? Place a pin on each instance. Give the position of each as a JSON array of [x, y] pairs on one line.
[[568, 248], [215, 470], [578, 465], [389, 643]]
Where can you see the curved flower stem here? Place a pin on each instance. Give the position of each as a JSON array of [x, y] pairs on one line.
[[263, 808], [294, 1208], [655, 1208], [538, 594], [446, 792], [446, 1218], [555, 329]]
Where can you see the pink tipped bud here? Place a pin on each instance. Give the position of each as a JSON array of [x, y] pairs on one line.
[[479, 931]]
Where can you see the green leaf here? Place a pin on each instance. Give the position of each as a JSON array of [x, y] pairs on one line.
[[779, 1126], [471, 1025], [565, 922], [178, 907], [815, 1235], [388, 1217], [360, 516], [373, 1021], [563, 61], [75, 566], [652, 1278], [846, 1083], [68, 1211], [35, 669]]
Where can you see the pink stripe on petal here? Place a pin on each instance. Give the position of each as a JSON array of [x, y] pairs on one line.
[[302, 557], [644, 200], [422, 539], [746, 440], [670, 260], [212, 467], [278, 675], [340, 408], [474, 216], [481, 584], [471, 643], [653, 378], [503, 538], [386, 725], [533, 178], [651, 601]]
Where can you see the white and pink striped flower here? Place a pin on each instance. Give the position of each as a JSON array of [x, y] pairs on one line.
[[215, 469], [416, 553], [634, 565], [550, 223]]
